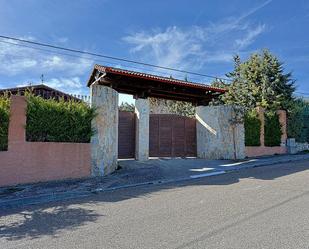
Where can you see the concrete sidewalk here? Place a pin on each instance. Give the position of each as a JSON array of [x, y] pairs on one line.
[[130, 174]]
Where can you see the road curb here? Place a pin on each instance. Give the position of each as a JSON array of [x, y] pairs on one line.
[[47, 198]]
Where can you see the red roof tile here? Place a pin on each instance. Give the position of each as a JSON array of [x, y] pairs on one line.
[[154, 77]]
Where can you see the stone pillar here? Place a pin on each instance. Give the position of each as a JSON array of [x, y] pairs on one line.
[[261, 114], [282, 120], [291, 145], [142, 129], [104, 143], [218, 137]]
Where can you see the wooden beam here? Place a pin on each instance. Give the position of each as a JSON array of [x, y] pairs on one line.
[[148, 88]]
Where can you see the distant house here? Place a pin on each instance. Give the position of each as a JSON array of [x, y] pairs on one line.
[[42, 90]]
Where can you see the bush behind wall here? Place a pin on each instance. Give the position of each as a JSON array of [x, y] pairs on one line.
[[272, 129], [4, 121], [58, 121], [298, 121], [252, 128]]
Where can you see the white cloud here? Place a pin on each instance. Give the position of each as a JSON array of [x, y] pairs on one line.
[[19, 60], [191, 48], [169, 47], [254, 10], [65, 83], [77, 66], [14, 65], [249, 37], [60, 72], [71, 85]]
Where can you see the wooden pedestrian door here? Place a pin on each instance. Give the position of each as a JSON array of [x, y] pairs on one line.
[[172, 135], [126, 135]]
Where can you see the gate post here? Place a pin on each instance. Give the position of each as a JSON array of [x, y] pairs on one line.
[[218, 136], [142, 129], [104, 143]]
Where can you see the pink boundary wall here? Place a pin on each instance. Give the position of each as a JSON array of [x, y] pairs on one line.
[[28, 162], [254, 151]]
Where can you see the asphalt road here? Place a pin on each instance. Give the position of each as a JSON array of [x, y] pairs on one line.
[[264, 207]]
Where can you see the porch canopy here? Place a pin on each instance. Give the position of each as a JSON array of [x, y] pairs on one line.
[[142, 85]]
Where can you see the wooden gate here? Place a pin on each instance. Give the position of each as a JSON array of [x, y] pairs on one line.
[[126, 135], [172, 136]]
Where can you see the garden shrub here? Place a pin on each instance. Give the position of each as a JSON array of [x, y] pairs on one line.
[[58, 120], [252, 128], [298, 121], [272, 129], [4, 121], [305, 131]]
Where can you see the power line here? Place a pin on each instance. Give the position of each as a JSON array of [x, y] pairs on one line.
[[176, 74], [108, 62], [112, 63], [108, 57]]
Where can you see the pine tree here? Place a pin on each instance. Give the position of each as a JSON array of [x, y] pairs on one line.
[[259, 81]]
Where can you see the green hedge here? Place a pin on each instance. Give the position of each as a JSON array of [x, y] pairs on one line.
[[298, 121], [252, 129], [305, 131], [272, 129], [4, 121], [58, 121]]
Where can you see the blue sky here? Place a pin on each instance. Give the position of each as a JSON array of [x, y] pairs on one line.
[[200, 36]]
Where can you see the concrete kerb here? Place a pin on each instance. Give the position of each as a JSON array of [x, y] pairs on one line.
[[209, 174], [46, 198]]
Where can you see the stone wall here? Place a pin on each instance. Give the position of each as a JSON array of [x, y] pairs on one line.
[[302, 147], [295, 147], [218, 136]]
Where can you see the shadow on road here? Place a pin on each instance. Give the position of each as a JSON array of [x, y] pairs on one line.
[[29, 222], [32, 223]]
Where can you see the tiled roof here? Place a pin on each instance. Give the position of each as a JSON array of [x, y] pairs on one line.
[[50, 92], [135, 74]]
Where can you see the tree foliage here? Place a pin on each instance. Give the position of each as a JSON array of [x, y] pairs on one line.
[[259, 81], [4, 121], [298, 121], [252, 128], [181, 108], [58, 121], [125, 106], [272, 129], [173, 107]]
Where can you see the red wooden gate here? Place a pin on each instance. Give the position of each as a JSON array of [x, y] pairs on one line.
[[126, 135], [172, 136]]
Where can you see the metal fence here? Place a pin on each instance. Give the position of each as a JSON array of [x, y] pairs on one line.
[[85, 98]]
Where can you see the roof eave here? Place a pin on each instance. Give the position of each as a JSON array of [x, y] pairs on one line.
[[162, 79]]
